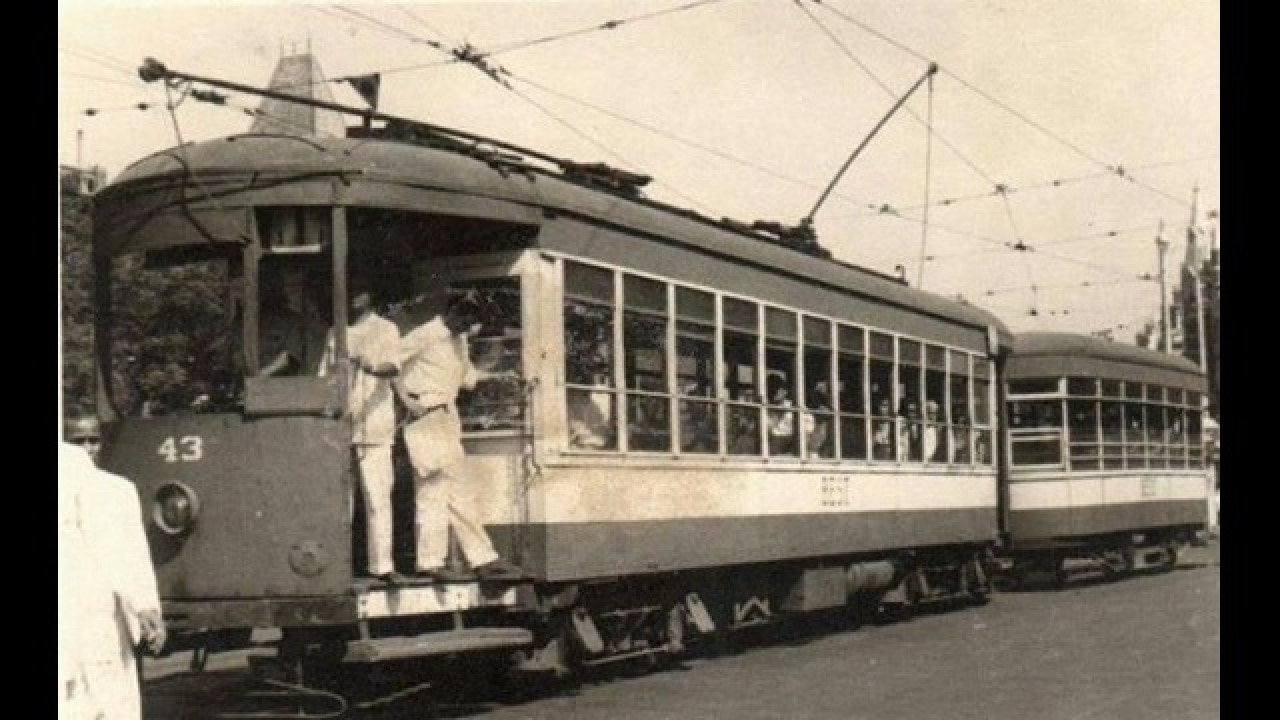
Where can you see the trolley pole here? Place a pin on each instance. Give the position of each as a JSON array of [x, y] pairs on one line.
[[1162, 245]]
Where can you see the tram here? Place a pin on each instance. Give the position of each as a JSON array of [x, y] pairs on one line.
[[1106, 455], [700, 425]]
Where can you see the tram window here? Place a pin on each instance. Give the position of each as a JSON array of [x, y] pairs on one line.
[[1112, 421], [588, 325], [591, 420], [910, 407], [819, 421], [296, 311], [645, 360], [1082, 386], [1177, 436], [1133, 390], [780, 371], [695, 371], [589, 357], [937, 435], [1195, 439], [1082, 434], [496, 347], [982, 451], [1035, 431], [741, 342], [1175, 395], [958, 386], [1033, 386], [1135, 447], [851, 394], [1112, 388], [884, 433], [1155, 435], [175, 333]]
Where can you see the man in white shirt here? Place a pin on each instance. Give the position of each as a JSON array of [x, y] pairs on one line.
[[435, 365], [107, 599], [373, 347]]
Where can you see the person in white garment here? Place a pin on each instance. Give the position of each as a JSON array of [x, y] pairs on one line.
[[435, 364], [108, 607], [373, 348]]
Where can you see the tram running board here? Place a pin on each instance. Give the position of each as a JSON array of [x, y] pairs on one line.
[[473, 639]]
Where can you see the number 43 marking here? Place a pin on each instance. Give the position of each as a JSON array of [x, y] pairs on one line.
[[188, 448]]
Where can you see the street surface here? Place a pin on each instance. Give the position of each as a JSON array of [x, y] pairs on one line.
[[1144, 648]]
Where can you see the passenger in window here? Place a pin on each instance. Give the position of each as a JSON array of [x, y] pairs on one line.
[[697, 428], [818, 430], [782, 423], [745, 425], [960, 436], [934, 438], [882, 431], [910, 435], [591, 417]]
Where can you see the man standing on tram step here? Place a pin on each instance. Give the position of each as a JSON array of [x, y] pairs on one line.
[[373, 348], [108, 607], [435, 365]]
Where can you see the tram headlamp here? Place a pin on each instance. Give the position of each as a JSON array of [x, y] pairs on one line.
[[175, 509]]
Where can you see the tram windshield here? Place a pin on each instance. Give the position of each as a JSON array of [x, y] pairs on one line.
[[246, 323], [173, 331]]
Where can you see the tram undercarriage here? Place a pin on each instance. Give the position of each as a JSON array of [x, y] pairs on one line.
[[540, 634]]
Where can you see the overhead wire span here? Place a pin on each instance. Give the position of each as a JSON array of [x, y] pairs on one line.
[[968, 162], [100, 59], [670, 136], [608, 25], [1118, 169]]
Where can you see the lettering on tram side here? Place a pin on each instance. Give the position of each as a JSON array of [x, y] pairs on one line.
[[188, 448], [835, 491]]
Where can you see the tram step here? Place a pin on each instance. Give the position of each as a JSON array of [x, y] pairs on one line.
[[437, 643]]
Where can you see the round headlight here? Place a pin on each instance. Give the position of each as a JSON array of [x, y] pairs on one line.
[[175, 508]]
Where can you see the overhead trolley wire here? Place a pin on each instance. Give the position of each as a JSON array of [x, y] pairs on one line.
[[100, 59], [609, 25], [849, 54], [1116, 169]]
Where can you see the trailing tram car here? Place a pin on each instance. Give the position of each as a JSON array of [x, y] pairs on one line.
[[1106, 455], [709, 427]]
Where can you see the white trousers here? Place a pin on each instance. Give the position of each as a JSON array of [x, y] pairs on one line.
[[438, 507], [377, 476]]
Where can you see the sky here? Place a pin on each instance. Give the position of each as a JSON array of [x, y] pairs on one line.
[[1031, 174]]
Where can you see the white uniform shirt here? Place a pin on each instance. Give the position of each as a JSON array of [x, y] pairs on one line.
[[436, 363], [376, 340], [105, 579]]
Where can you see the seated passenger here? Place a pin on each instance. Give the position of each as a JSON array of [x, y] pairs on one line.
[[591, 420], [882, 431], [782, 423], [910, 437], [818, 429], [744, 425], [934, 440]]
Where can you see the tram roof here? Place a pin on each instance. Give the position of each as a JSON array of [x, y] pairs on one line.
[[379, 172], [1068, 354]]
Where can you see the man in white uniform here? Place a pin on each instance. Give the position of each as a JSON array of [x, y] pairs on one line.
[[373, 346], [107, 600], [436, 364]]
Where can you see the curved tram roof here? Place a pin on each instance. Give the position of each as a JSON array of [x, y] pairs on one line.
[[233, 172], [1065, 354]]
